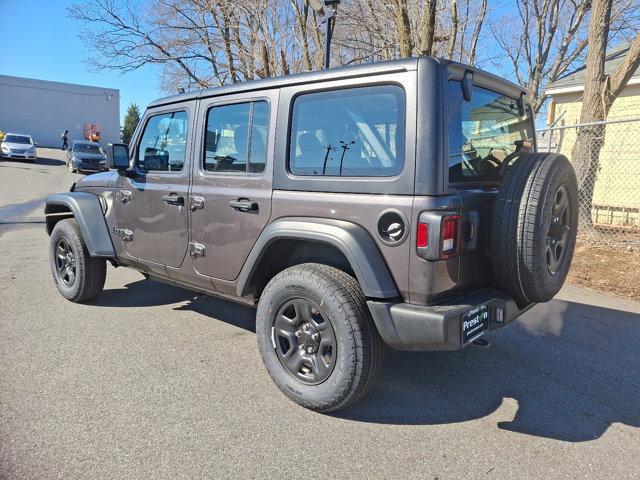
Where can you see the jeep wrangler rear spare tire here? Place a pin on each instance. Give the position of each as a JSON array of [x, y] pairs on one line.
[[78, 276], [534, 227], [317, 338]]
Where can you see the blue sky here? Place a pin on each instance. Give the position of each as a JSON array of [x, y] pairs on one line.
[[39, 41]]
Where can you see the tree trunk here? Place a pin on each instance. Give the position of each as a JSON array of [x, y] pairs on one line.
[[600, 91], [428, 27], [403, 25], [589, 141], [454, 29]]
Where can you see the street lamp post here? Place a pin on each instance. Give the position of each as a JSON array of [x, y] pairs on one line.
[[327, 21]]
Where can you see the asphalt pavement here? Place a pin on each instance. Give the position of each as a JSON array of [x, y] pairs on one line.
[[152, 381]]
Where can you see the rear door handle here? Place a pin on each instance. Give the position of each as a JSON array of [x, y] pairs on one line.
[[175, 200], [244, 205]]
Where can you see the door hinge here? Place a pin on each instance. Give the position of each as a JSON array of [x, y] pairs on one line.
[[124, 196], [123, 233], [196, 203], [196, 249]]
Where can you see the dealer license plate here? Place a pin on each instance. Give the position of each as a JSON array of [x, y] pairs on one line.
[[474, 322]]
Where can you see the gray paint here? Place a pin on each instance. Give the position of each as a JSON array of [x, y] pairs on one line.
[[353, 241], [398, 184], [342, 73], [45, 109], [87, 211]]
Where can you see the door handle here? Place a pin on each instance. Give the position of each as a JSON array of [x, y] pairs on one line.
[[175, 200], [244, 205]]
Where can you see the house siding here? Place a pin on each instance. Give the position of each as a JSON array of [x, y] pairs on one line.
[[617, 186]]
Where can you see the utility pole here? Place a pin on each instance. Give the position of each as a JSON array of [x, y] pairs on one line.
[[328, 10]]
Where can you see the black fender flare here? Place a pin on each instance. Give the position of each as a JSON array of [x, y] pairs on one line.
[[352, 240], [87, 211]]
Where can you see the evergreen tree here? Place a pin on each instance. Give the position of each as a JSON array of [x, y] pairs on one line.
[[131, 120]]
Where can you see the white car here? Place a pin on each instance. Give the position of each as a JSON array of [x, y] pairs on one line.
[[18, 146]]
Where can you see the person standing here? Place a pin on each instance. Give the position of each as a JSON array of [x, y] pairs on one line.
[[65, 140]]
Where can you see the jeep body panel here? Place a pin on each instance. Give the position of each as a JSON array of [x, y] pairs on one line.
[[352, 240], [400, 184], [228, 234], [208, 244], [87, 211], [159, 229]]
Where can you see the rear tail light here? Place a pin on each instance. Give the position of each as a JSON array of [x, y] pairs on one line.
[[450, 230], [422, 238], [438, 235]]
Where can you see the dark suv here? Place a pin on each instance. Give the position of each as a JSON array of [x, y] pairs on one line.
[[399, 202]]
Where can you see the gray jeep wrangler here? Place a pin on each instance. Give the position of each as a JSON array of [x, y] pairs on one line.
[[398, 202]]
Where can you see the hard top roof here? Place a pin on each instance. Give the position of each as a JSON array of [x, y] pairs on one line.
[[351, 71]]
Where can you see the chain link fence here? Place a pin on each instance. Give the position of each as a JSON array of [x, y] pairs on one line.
[[606, 158]]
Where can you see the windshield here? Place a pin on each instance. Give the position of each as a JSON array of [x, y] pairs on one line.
[[23, 139], [86, 148], [485, 134]]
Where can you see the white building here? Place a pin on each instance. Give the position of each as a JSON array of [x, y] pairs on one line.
[[45, 109]]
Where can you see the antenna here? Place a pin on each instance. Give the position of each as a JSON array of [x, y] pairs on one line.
[[328, 10]]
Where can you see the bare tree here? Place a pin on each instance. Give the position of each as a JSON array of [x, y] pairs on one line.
[[201, 43], [600, 91], [542, 40]]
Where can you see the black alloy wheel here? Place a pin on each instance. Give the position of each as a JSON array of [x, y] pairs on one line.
[[78, 276], [558, 229], [317, 338], [305, 342], [65, 262]]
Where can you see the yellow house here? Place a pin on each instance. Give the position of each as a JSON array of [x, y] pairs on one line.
[[616, 199]]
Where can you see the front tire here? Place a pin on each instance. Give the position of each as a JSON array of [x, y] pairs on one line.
[[71, 168], [317, 338], [78, 276]]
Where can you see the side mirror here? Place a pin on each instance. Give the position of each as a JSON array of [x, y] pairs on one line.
[[118, 156]]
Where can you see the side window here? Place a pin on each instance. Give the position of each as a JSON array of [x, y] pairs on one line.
[[236, 138], [354, 132], [162, 147]]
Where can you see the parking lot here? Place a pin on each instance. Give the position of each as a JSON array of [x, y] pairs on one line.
[[152, 381]]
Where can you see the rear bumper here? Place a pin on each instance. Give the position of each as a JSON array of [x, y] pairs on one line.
[[438, 327]]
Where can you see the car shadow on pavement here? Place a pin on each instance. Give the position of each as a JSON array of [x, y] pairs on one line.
[[41, 161], [565, 371], [149, 293], [50, 161]]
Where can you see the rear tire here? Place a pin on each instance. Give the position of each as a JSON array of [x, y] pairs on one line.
[[348, 350], [78, 276], [534, 227]]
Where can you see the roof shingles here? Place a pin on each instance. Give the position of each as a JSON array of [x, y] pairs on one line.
[[576, 78]]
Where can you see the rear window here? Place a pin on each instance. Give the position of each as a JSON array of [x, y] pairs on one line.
[[484, 134], [352, 132], [18, 139]]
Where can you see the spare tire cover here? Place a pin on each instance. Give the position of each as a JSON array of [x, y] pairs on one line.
[[534, 225]]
